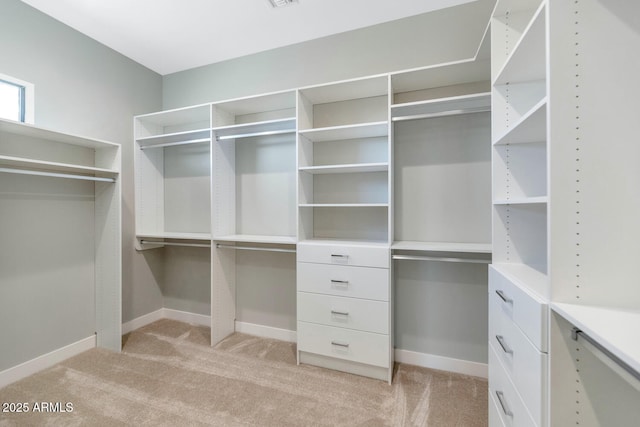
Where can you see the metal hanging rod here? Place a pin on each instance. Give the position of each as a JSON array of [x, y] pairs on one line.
[[56, 175], [192, 245], [171, 144], [249, 135], [442, 114], [444, 259], [255, 248], [595, 345]]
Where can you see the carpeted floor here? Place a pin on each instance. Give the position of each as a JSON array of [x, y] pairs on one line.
[[168, 375]]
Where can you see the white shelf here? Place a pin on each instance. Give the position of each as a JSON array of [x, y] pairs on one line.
[[523, 201], [346, 90], [349, 168], [175, 235], [24, 129], [442, 106], [527, 60], [532, 127], [245, 130], [20, 162], [251, 238], [344, 205], [198, 135], [483, 248], [617, 330], [337, 133]]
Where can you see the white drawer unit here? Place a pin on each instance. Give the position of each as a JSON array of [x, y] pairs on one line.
[[352, 313], [345, 307], [523, 362], [356, 346], [355, 282], [523, 308], [371, 255], [511, 409]]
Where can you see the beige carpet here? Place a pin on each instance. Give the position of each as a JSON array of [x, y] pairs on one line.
[[168, 375]]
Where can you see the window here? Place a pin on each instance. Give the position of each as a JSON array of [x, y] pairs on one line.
[[16, 99]]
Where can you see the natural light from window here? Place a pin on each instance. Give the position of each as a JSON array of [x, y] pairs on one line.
[[11, 101], [17, 99]]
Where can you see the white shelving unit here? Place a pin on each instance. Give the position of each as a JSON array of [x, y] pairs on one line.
[[563, 258], [440, 208], [254, 198], [42, 194], [343, 213], [173, 176]]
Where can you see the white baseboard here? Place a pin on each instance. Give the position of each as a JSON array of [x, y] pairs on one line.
[[187, 317], [266, 331], [45, 361], [424, 360], [442, 363], [141, 321], [165, 313]]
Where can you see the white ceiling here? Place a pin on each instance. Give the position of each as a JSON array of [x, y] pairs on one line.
[[174, 35]]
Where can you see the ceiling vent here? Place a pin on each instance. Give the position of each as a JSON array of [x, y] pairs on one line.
[[282, 3]]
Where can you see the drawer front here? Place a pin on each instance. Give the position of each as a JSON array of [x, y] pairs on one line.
[[362, 256], [494, 413], [511, 408], [347, 344], [529, 313], [524, 363], [356, 282], [352, 313]]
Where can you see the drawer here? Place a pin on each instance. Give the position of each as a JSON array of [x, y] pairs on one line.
[[344, 254], [352, 313], [524, 309], [356, 346], [511, 409], [524, 363], [340, 280], [494, 412]]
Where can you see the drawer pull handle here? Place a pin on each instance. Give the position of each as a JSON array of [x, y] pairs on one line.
[[505, 408], [340, 344], [340, 313], [504, 346], [339, 256], [504, 297], [340, 282]]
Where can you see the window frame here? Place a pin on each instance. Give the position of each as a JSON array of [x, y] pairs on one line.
[[27, 97]]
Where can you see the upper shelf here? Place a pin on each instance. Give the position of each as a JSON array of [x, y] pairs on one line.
[[20, 162], [527, 61], [337, 133], [262, 128], [617, 330], [175, 138], [347, 90], [472, 103], [24, 129]]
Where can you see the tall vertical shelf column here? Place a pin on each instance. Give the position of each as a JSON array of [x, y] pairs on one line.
[[441, 211], [565, 206], [518, 277], [594, 210], [344, 290], [253, 206]]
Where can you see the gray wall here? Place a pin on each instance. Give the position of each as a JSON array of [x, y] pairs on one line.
[[447, 35], [431, 38], [85, 88]]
